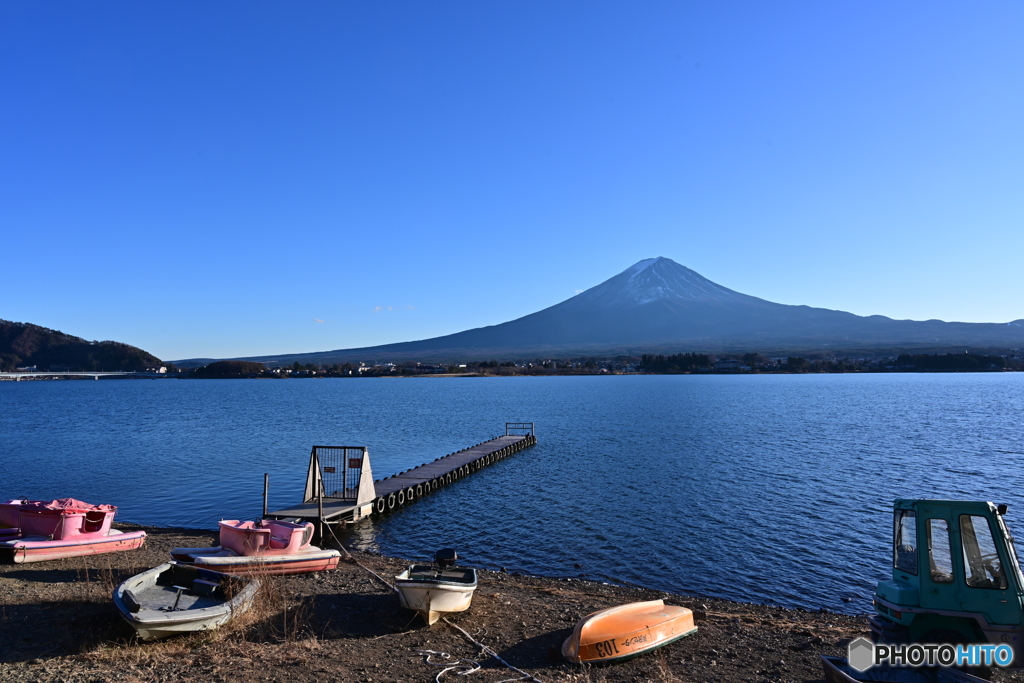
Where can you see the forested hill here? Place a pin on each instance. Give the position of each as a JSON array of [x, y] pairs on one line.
[[24, 344]]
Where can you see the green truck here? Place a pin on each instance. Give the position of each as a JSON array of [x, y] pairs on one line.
[[955, 577]]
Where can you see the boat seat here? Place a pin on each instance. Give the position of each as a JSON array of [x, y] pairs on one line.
[[422, 572], [283, 534], [131, 601], [204, 587], [94, 521], [242, 537], [278, 542]]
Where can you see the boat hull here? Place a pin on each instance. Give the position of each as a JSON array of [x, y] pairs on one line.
[[626, 631], [432, 599], [155, 594], [39, 549], [313, 559], [158, 631]]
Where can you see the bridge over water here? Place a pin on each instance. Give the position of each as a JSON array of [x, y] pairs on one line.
[[18, 376]]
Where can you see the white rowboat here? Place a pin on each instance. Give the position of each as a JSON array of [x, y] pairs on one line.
[[175, 598]]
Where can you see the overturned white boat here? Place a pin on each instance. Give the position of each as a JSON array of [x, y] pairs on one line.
[[176, 598], [435, 590]]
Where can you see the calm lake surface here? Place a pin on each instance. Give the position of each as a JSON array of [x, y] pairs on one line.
[[763, 488]]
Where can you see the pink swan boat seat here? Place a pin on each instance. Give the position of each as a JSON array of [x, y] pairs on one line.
[[10, 513], [265, 537], [267, 545]]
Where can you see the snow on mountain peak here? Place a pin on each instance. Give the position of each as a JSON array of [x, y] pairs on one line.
[[655, 279], [641, 265]]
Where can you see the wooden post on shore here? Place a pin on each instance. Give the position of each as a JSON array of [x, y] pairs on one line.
[[266, 489], [320, 512]]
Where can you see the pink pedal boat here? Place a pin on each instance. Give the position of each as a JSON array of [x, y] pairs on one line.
[[51, 530], [266, 546]]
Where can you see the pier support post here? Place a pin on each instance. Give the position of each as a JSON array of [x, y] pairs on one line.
[[266, 489], [320, 515]]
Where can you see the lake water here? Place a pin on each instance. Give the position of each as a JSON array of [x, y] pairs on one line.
[[763, 488]]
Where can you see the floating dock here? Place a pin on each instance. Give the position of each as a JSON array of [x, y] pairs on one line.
[[340, 486]]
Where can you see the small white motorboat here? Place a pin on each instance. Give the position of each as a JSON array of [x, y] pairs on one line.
[[176, 598], [434, 590]]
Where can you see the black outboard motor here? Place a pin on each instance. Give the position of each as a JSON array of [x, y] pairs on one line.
[[445, 558]]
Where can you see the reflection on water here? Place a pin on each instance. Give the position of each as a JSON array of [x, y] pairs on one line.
[[755, 488]]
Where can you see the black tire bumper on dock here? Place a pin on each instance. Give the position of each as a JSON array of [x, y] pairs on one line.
[[440, 476]]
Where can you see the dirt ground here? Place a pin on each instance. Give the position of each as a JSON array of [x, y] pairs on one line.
[[57, 623]]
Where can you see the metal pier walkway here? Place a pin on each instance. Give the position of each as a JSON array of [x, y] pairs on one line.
[[340, 487]]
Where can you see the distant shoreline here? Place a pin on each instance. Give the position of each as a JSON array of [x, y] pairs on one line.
[[478, 375]]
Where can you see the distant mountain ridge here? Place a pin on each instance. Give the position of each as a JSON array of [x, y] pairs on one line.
[[25, 344], [657, 305]]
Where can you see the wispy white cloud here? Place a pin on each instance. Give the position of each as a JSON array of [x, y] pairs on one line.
[[578, 291], [318, 320], [378, 309]]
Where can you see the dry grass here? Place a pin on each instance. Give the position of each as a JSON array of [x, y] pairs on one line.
[[273, 616], [273, 619], [665, 674]]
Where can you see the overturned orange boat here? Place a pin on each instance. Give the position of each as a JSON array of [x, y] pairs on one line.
[[619, 633]]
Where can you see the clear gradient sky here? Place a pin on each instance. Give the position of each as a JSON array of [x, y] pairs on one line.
[[228, 179]]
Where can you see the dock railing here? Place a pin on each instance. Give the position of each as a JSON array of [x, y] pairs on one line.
[[519, 429], [340, 473]]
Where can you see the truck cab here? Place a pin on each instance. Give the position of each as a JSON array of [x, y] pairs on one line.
[[955, 577]]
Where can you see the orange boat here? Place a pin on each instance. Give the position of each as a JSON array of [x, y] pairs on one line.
[[619, 633]]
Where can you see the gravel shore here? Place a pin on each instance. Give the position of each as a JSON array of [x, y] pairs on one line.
[[57, 623]]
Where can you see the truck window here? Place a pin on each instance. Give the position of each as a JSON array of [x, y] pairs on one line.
[[905, 541], [940, 560], [983, 568], [1011, 552]]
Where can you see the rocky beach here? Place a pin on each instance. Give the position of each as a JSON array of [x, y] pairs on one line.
[[57, 623]]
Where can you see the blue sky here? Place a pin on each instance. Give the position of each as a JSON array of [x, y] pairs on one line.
[[227, 179]]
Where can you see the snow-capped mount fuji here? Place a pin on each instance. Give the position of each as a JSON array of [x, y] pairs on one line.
[[654, 279], [659, 306]]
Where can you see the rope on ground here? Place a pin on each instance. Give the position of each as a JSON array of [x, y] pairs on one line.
[[485, 649], [349, 555], [488, 651], [468, 666]]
